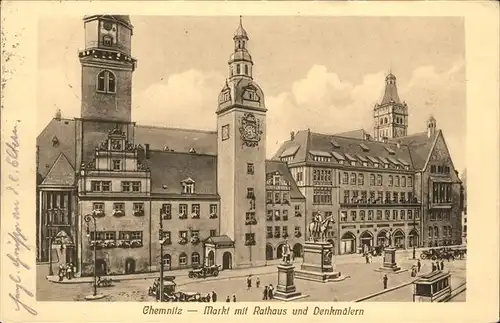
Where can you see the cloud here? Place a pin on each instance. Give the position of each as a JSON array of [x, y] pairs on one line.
[[323, 102], [186, 100]]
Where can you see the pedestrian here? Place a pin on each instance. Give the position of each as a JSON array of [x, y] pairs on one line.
[[214, 296], [68, 271], [385, 281], [442, 265], [228, 299], [234, 297], [249, 282], [367, 259], [257, 282], [418, 265], [264, 296], [60, 273], [73, 272], [370, 259], [270, 291]]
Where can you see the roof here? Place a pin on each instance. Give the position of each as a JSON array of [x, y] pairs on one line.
[[63, 130], [391, 90], [359, 134], [276, 165], [61, 173], [240, 31], [432, 276], [420, 146], [177, 139], [219, 240], [172, 168]]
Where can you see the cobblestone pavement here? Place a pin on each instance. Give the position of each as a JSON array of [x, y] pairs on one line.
[[364, 281]]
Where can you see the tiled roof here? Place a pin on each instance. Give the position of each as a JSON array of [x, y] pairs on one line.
[[219, 239], [171, 168], [179, 140], [63, 131], [61, 173], [420, 146], [359, 134], [282, 168], [391, 91]]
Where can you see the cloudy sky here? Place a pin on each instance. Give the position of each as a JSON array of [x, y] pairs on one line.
[[322, 73]]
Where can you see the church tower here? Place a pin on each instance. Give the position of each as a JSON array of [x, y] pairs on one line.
[[107, 67], [390, 116], [241, 153]]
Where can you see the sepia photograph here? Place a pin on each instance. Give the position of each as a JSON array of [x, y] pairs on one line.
[[262, 159]]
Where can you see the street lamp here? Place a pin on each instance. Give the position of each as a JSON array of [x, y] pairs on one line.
[[50, 238], [414, 232], [87, 218], [161, 255]]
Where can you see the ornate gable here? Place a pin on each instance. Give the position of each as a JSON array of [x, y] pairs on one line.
[[440, 153]]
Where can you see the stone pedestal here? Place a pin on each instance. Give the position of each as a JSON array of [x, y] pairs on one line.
[[317, 265], [286, 290], [390, 264]]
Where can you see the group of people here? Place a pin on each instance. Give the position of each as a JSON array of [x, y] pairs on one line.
[[437, 265], [66, 271]]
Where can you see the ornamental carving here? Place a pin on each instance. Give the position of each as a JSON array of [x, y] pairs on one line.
[[440, 152], [250, 130]]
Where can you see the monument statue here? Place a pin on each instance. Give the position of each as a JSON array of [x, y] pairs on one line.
[[319, 226], [286, 252], [388, 242]]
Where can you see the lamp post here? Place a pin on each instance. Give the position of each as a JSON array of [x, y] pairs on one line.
[[87, 218], [414, 232], [161, 256], [49, 227]]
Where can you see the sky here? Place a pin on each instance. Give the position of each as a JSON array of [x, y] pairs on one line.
[[321, 73]]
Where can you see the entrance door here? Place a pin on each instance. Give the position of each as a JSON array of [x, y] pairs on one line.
[[227, 260], [269, 252], [348, 243], [101, 268], [297, 250], [129, 266], [211, 258]]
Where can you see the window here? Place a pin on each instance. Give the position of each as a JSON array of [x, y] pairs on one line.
[[249, 238], [277, 215], [379, 180], [213, 233], [238, 70], [100, 186], [277, 198], [372, 196], [402, 215], [390, 180], [363, 196], [250, 193], [107, 40], [195, 210], [188, 188], [379, 215], [297, 210], [380, 196], [183, 259], [397, 181], [402, 196], [103, 235], [431, 232], [387, 215], [346, 196], [285, 215], [439, 215], [166, 211], [286, 199], [361, 179], [195, 258], [119, 206], [410, 181], [213, 209], [297, 231], [370, 215], [322, 195], [394, 215], [138, 206], [353, 178], [117, 164], [130, 235], [195, 234], [284, 231], [125, 186], [395, 196], [372, 179], [106, 82], [300, 176], [343, 216], [441, 192], [353, 215], [166, 235], [410, 197], [345, 178], [97, 206], [410, 215], [183, 209], [269, 232], [246, 72], [436, 232], [250, 169], [362, 215], [183, 234], [136, 186], [403, 181]]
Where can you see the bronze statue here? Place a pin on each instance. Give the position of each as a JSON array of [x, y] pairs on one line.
[[286, 251], [318, 228]]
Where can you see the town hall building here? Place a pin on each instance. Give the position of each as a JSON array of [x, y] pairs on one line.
[[214, 193]]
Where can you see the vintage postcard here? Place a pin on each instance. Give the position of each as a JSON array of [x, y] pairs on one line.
[[222, 161]]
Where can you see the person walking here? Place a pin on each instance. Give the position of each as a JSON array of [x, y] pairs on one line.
[[264, 295], [367, 258], [442, 265], [418, 265], [249, 282], [60, 273], [228, 299], [214, 296], [234, 297], [270, 291], [257, 282], [73, 272], [68, 271], [385, 281]]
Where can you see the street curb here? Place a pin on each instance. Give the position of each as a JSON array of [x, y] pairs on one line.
[[384, 291]]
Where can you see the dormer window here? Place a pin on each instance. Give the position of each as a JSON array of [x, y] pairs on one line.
[[188, 186], [55, 141], [106, 82]]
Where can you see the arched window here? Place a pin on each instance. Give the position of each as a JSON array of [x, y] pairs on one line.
[[372, 180], [106, 82], [361, 179], [430, 232], [353, 178], [246, 69], [403, 181], [436, 232], [390, 180], [397, 181], [238, 71], [182, 259], [385, 120], [107, 40], [402, 215]]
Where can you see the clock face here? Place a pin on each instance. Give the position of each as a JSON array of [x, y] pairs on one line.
[[250, 131], [107, 25]]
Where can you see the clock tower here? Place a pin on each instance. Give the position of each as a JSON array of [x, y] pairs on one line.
[[241, 153], [390, 116]]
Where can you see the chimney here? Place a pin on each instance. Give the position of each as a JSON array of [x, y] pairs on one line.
[[292, 135], [147, 150], [58, 115]]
